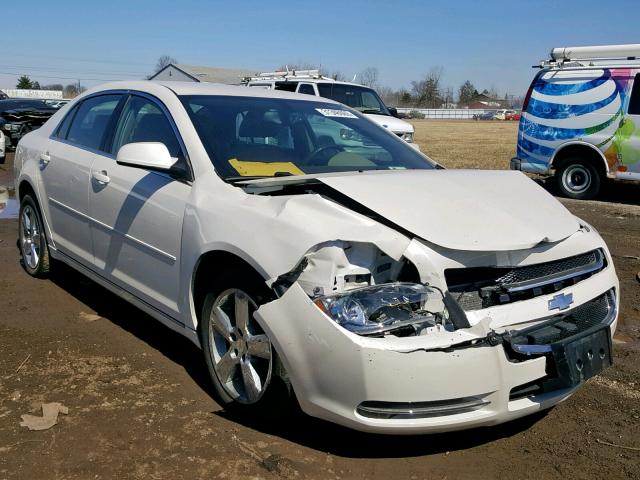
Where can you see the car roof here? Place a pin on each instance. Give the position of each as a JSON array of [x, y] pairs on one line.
[[203, 88]]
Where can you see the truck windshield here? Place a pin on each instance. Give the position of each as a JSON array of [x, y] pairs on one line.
[[264, 137], [363, 99]]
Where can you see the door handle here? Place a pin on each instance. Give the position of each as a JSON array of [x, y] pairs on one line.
[[45, 158], [101, 177]]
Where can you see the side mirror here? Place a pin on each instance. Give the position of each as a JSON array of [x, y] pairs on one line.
[[150, 155], [393, 111]]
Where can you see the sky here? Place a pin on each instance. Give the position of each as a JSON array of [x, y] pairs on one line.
[[491, 43]]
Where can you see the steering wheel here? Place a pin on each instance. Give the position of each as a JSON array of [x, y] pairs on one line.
[[316, 157]]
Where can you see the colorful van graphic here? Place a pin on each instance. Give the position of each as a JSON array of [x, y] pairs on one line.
[[581, 119]]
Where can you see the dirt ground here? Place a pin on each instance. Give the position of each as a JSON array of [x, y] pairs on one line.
[[140, 403]]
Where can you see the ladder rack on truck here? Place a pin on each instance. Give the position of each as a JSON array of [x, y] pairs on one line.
[[594, 56], [288, 75]]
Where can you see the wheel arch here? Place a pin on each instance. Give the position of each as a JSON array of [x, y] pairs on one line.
[[215, 261], [25, 188], [583, 150]]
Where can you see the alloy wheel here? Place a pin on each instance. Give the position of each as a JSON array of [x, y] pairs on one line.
[[30, 237], [241, 351]]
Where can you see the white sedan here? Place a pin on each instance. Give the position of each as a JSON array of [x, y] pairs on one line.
[[313, 255]]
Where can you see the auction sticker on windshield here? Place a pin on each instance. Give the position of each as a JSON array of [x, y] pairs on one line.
[[330, 112]]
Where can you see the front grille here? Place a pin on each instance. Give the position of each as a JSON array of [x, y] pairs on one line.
[[482, 287], [599, 311]]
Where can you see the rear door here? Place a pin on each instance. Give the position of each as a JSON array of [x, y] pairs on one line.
[[66, 169], [138, 213], [628, 141]]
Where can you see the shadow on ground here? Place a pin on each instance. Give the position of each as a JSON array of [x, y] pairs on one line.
[[297, 427], [172, 345], [627, 193]]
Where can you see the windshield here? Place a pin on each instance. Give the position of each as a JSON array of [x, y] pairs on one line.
[[363, 99], [265, 137]]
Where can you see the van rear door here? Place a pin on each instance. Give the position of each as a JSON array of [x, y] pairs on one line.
[[628, 141]]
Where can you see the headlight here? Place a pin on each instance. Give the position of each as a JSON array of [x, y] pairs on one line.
[[407, 137], [12, 127], [382, 308]]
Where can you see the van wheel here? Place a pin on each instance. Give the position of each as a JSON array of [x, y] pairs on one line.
[[32, 239], [242, 363], [578, 179]]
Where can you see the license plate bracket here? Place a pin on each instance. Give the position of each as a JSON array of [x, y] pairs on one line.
[[577, 360]]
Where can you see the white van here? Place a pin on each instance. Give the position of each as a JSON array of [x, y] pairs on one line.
[[359, 97], [581, 118]]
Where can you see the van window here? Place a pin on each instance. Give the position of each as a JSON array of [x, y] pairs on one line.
[[286, 86], [307, 89], [91, 121], [143, 121], [634, 101]]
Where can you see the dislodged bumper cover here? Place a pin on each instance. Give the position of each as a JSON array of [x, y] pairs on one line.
[[461, 209], [333, 371]]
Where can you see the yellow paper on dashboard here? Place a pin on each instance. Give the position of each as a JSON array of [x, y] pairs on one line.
[[263, 169]]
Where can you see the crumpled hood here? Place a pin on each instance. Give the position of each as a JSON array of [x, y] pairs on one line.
[[394, 124], [462, 209]]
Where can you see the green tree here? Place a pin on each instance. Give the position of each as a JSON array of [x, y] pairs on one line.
[[24, 83], [467, 93]]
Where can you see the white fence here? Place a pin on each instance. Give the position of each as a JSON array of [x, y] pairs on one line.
[[447, 113], [41, 94]]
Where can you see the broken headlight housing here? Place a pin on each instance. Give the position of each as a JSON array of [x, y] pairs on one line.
[[404, 308]]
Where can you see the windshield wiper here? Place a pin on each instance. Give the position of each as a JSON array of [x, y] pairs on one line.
[[374, 111], [256, 177]]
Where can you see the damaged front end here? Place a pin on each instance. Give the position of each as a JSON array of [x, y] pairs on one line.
[[370, 343]]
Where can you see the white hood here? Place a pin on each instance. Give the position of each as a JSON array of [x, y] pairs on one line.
[[462, 209], [392, 123]]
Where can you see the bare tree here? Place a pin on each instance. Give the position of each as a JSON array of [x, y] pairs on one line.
[[369, 77], [164, 61], [296, 66], [338, 76], [428, 91]]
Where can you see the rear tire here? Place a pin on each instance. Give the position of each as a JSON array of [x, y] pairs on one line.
[[578, 179], [32, 239], [243, 365]]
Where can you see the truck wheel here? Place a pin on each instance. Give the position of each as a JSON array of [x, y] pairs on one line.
[[578, 179], [32, 239], [243, 365]]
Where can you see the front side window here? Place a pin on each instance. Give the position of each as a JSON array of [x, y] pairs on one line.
[[143, 121], [363, 99], [257, 137], [91, 121]]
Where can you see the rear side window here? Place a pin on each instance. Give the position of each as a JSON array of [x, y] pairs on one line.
[[63, 128], [142, 120], [286, 86], [306, 89], [91, 121], [634, 101]]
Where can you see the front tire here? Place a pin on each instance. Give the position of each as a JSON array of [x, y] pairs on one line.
[[578, 179], [32, 239], [242, 363]]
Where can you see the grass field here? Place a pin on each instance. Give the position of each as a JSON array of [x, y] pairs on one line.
[[467, 144]]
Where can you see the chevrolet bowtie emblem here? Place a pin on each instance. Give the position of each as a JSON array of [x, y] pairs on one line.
[[561, 301]]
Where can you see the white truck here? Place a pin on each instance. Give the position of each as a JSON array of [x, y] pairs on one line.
[[359, 97]]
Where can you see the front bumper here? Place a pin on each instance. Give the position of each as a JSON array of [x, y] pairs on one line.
[[334, 372]]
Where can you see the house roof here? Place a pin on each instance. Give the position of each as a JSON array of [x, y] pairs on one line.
[[212, 74]]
